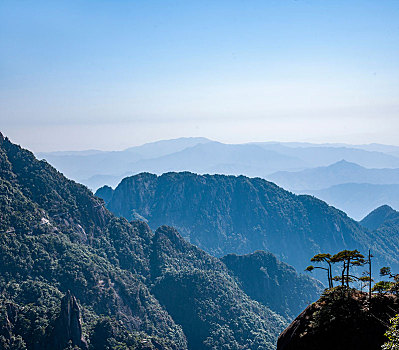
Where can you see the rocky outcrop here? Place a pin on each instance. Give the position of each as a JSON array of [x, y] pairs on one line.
[[9, 319], [341, 319], [68, 326]]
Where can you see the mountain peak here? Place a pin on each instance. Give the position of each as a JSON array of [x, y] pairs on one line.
[[177, 142], [345, 163], [236, 214], [379, 216], [2, 139], [68, 327], [385, 208]]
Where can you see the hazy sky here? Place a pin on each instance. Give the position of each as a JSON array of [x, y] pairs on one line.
[[113, 74]]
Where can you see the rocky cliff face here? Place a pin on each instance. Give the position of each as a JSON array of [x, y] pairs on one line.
[[8, 319], [236, 214], [341, 320], [273, 283], [68, 326]]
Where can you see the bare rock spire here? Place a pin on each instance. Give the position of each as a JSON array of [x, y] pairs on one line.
[[68, 327]]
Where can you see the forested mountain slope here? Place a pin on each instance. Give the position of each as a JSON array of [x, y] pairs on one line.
[[55, 236], [268, 280], [229, 214], [385, 222], [158, 289], [379, 217]]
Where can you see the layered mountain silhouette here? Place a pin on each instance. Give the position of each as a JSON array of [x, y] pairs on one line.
[[236, 214], [200, 155], [347, 186], [125, 284], [358, 199], [95, 168], [316, 155], [324, 170], [335, 174]]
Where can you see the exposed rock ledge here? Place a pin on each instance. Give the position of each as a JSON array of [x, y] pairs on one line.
[[68, 326], [341, 320]]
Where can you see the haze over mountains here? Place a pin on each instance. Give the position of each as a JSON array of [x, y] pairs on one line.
[[140, 277], [135, 287], [201, 155], [358, 199], [354, 178], [332, 175], [347, 186]]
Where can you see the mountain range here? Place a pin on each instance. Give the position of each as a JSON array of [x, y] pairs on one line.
[[359, 199], [119, 283], [201, 155], [75, 275], [236, 214], [338, 173], [345, 185], [349, 177]]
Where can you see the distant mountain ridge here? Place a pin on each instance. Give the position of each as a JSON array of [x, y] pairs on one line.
[[111, 166], [216, 157], [229, 214], [164, 147], [334, 174], [358, 199], [201, 155], [345, 185], [317, 155]]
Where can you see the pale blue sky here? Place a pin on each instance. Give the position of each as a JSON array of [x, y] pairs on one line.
[[112, 74]]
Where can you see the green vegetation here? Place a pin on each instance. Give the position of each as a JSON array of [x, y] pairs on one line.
[[325, 258], [239, 215], [273, 283], [349, 259], [392, 334], [380, 217], [347, 311], [384, 287], [136, 289], [343, 318]]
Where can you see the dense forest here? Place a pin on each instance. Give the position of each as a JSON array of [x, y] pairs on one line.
[[236, 214], [127, 286]]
